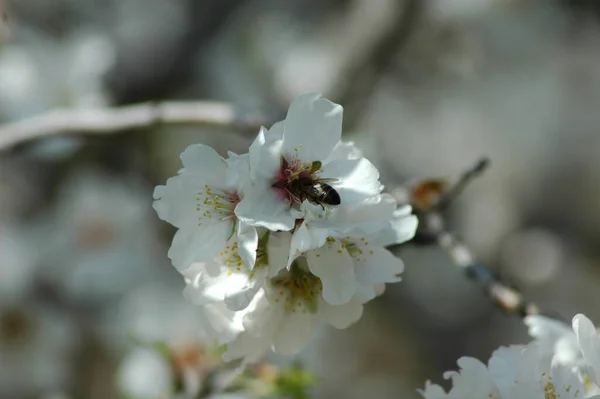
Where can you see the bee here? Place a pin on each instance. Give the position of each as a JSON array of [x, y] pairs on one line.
[[305, 186], [315, 191]]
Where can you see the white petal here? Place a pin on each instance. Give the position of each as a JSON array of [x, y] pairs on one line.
[[204, 161], [278, 250], [365, 293], [235, 288], [473, 380], [566, 381], [341, 316], [254, 281], [433, 391], [238, 171], [294, 331], [357, 179], [399, 230], [589, 343], [176, 202], [358, 220], [261, 206], [265, 153], [262, 318], [141, 366], [344, 150], [503, 367], [247, 237], [218, 321], [376, 265], [313, 127], [250, 348], [335, 268], [305, 239], [198, 245], [545, 328]]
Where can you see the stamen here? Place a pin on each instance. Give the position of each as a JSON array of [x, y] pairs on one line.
[[215, 205], [299, 290]]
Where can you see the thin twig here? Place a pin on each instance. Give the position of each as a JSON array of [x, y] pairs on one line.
[[432, 229], [362, 79], [113, 120], [462, 182]]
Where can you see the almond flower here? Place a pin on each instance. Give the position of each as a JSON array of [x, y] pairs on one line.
[[276, 242], [577, 346], [201, 201], [307, 147], [515, 372], [278, 307]]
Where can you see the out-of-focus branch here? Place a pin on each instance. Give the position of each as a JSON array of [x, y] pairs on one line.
[[361, 80], [429, 199], [113, 120]]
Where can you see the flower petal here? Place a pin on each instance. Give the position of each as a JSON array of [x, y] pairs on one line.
[[235, 288], [239, 299], [218, 321], [344, 150], [356, 179], [341, 316], [198, 245], [334, 266], [376, 265], [313, 127], [294, 331], [589, 343], [250, 348], [204, 161], [278, 250], [247, 237], [357, 220], [262, 207], [305, 239], [473, 380], [176, 202], [265, 153], [400, 229]]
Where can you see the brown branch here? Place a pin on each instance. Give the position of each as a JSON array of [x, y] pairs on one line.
[[113, 120], [362, 79], [432, 230]]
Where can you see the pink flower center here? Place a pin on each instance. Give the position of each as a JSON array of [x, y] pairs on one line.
[[288, 173]]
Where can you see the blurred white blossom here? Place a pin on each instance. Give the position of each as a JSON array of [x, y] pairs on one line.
[[514, 372], [18, 260], [145, 374], [37, 348], [107, 243], [577, 347]]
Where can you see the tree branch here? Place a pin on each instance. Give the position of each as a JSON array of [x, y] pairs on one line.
[[432, 230], [113, 120]]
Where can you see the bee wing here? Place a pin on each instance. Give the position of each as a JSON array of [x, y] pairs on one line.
[[328, 180]]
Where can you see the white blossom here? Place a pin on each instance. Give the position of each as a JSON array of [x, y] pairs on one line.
[[201, 201], [292, 235], [328, 285], [515, 372], [146, 374], [576, 346], [106, 230], [306, 145], [557, 338], [37, 346]]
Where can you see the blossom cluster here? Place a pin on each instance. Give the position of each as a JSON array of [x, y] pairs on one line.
[[560, 363], [286, 237]]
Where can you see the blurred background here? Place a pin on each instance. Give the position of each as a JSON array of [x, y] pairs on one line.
[[428, 87]]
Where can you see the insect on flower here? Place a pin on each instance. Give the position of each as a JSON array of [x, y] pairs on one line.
[[304, 185]]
